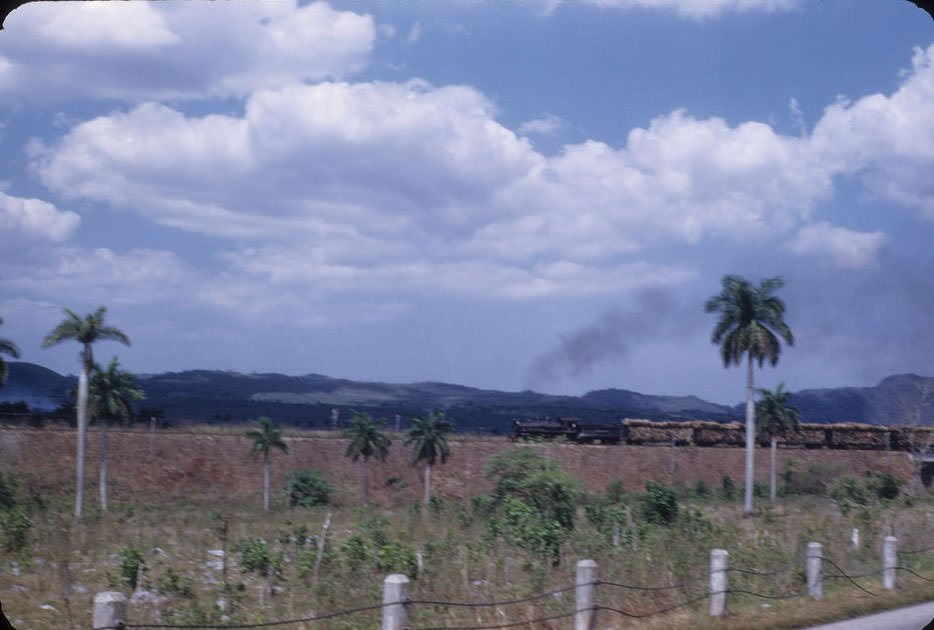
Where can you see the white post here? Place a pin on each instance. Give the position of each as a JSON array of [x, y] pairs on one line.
[[109, 610], [854, 538], [718, 582], [815, 570], [585, 595], [889, 561], [395, 595]]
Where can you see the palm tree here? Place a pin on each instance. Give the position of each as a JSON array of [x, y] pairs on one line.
[[775, 417], [111, 391], [6, 347], [85, 331], [751, 322], [429, 439], [266, 436], [368, 441]]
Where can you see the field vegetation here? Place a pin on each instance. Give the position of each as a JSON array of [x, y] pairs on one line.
[[224, 561]]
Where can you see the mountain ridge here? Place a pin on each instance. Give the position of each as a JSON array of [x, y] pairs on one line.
[[219, 396]]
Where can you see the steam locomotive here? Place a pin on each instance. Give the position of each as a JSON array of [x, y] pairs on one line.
[[572, 429]]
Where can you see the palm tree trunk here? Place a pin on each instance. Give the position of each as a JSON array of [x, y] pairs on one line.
[[772, 491], [750, 440], [366, 480], [427, 482], [82, 411], [103, 480], [266, 482]]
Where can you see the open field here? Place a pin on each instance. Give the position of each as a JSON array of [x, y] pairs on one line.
[[168, 504]]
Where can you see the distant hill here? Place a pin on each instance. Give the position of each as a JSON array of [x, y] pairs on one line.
[[38, 387], [210, 396], [899, 399]]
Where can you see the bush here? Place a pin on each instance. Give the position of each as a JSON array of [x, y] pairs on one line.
[[616, 491], [883, 485], [702, 489], [660, 504], [131, 564], [811, 481], [256, 557], [397, 557], [727, 488], [14, 530], [356, 551], [307, 488], [848, 490], [9, 484], [171, 583]]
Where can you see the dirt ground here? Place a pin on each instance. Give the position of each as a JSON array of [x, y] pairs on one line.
[[196, 466]]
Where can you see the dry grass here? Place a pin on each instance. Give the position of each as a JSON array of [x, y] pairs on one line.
[[165, 514], [178, 538]]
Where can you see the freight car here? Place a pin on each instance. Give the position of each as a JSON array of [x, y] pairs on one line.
[[572, 429]]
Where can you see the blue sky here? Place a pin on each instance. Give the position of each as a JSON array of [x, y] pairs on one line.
[[505, 194]]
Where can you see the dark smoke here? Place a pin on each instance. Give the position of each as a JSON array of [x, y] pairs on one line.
[[610, 337]]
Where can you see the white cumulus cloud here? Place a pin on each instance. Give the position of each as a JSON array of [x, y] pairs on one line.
[[846, 249], [24, 221], [701, 8], [136, 51], [888, 139]]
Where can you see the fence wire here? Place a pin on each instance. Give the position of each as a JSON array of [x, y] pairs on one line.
[[542, 619]]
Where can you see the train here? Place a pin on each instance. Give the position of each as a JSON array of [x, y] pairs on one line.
[[846, 435], [572, 429]]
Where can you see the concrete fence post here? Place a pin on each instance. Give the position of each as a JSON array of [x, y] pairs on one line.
[[889, 561], [109, 610], [854, 538], [815, 570], [718, 582], [585, 595], [395, 596]]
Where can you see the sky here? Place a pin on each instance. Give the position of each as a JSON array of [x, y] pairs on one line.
[[506, 194]]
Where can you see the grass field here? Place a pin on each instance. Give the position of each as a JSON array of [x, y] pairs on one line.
[[455, 551]]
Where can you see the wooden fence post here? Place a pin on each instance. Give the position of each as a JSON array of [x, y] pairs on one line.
[[718, 582], [889, 561], [109, 610], [585, 595], [395, 596], [815, 570]]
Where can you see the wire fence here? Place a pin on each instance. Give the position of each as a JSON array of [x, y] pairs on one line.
[[433, 609]]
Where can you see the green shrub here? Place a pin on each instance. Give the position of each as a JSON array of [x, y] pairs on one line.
[[356, 551], [14, 530], [397, 557], [9, 485], [253, 556], [727, 488], [883, 485], [171, 583], [307, 488], [848, 490], [615, 491], [131, 565], [702, 489], [660, 504], [760, 489], [813, 480]]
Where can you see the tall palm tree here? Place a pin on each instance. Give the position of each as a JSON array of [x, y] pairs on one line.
[[111, 391], [6, 347], [751, 322], [85, 331], [428, 436], [774, 417], [366, 440], [266, 436]]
